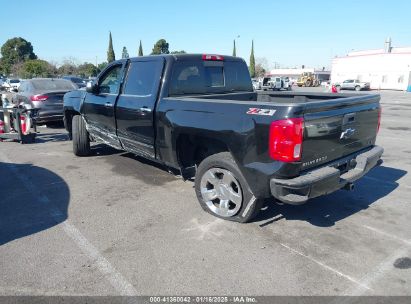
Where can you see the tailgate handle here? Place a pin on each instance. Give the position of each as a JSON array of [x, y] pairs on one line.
[[348, 118]]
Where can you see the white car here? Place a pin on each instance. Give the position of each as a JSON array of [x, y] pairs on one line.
[[353, 84], [325, 83], [276, 83], [256, 84], [271, 83], [286, 83], [13, 84]]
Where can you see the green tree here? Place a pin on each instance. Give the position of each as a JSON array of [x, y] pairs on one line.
[[260, 70], [110, 52], [124, 54], [161, 47], [4, 68], [36, 68], [14, 51], [252, 61], [102, 66], [87, 69], [67, 69], [179, 52], [140, 50], [234, 50]]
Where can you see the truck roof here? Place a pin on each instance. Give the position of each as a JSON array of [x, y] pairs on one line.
[[187, 57]]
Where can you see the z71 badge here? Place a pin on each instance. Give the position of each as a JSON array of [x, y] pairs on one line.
[[257, 111]]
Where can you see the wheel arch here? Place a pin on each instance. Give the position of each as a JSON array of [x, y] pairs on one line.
[[68, 118], [191, 149]]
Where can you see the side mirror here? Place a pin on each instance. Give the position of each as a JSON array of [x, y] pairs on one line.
[[91, 87]]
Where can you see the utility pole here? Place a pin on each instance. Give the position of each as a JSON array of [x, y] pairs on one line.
[[234, 46]]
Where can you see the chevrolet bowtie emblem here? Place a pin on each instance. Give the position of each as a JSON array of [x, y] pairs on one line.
[[347, 133]]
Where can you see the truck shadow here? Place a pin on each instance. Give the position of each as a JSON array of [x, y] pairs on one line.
[[147, 171], [26, 205], [325, 211], [130, 165]]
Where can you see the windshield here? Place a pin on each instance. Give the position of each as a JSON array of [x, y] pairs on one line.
[[14, 81], [52, 84]]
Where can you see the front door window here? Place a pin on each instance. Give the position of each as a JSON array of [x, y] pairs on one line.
[[110, 82]]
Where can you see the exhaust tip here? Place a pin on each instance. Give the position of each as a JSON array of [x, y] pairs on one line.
[[349, 187]]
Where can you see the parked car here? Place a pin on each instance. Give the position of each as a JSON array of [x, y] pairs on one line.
[[76, 80], [265, 83], [199, 115], [352, 84], [256, 84], [45, 94], [12, 84], [276, 83], [286, 83]]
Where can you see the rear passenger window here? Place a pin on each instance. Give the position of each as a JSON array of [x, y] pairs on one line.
[[142, 78]]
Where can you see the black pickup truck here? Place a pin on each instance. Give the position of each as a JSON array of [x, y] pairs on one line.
[[199, 115]]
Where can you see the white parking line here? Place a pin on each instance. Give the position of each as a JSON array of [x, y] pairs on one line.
[[339, 273], [406, 242], [116, 279]]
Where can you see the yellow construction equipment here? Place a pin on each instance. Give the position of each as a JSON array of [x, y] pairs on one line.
[[307, 79]]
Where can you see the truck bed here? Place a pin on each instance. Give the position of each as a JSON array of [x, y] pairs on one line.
[[284, 97], [335, 125]]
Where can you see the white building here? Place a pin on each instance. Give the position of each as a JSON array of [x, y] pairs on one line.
[[387, 68]]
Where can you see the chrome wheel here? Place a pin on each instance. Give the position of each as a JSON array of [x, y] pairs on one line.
[[221, 192]]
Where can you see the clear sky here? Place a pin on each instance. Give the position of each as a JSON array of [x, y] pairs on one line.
[[290, 33]]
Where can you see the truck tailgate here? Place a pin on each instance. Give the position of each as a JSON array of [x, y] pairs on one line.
[[339, 127]]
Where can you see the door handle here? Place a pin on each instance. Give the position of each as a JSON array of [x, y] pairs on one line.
[[145, 110], [108, 105]]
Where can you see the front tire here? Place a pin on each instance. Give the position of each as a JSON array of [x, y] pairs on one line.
[[358, 88], [223, 191], [81, 140]]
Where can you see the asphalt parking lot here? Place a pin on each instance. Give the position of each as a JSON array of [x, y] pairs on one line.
[[114, 224]]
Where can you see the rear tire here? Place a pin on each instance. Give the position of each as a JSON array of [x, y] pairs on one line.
[[358, 88], [223, 191], [81, 140]]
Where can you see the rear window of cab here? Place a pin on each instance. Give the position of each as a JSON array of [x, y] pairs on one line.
[[207, 77]]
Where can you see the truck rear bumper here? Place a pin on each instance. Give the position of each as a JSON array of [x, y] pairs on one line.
[[323, 181]]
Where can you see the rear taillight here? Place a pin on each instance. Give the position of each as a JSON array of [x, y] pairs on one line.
[[213, 57], [379, 119], [39, 97], [285, 140]]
